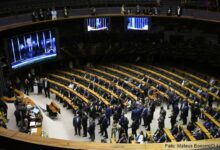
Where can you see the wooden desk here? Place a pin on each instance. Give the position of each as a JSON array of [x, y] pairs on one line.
[[173, 81], [188, 134], [84, 87], [134, 97], [113, 141], [89, 81], [19, 93], [8, 99], [176, 83], [204, 130], [212, 119], [52, 109], [140, 81], [190, 75], [55, 106], [169, 134], [28, 101], [71, 90], [165, 85], [133, 142], [66, 99], [135, 78], [150, 135]]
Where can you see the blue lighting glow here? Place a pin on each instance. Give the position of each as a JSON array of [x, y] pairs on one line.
[[137, 23]]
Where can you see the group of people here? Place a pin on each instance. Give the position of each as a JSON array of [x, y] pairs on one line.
[[150, 10], [139, 10], [24, 114], [48, 14], [36, 85], [177, 13], [142, 109]]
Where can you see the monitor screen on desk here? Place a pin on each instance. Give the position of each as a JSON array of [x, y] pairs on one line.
[[137, 23], [31, 48]]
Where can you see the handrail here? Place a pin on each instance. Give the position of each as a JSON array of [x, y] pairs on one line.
[[89, 81], [69, 89], [167, 87], [175, 82], [137, 79], [69, 144], [18, 23], [189, 134], [204, 130], [84, 87], [211, 119], [134, 97], [169, 134], [190, 82], [66, 99]]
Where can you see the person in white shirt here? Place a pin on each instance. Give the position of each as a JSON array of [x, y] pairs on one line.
[[212, 81], [71, 85], [140, 138], [178, 11], [123, 9], [199, 91], [54, 14]]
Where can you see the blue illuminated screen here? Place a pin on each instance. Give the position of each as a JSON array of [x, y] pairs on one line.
[[32, 48], [97, 24], [137, 23]]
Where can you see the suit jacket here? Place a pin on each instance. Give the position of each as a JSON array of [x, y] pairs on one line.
[[108, 112], [105, 123], [46, 86], [84, 120], [77, 122]]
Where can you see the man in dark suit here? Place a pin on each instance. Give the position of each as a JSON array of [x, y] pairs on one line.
[[173, 120], [144, 116], [84, 124], [184, 113], [124, 124], [134, 127], [105, 126], [46, 85], [148, 119], [77, 124], [108, 114], [91, 129]]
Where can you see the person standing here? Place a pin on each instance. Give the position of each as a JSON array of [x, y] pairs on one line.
[[26, 86], [184, 113], [91, 129], [77, 124], [105, 126], [173, 120], [46, 85], [161, 122], [108, 114], [54, 14], [114, 129], [134, 127], [65, 12], [144, 116], [84, 124], [140, 138]]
